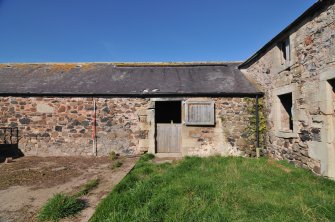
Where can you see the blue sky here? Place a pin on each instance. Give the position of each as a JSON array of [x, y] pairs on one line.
[[140, 31]]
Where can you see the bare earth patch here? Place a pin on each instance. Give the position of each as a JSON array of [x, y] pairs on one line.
[[276, 164], [27, 183]]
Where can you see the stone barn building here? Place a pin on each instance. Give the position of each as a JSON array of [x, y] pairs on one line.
[[296, 72], [186, 109], [167, 109]]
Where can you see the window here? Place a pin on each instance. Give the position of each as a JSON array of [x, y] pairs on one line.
[[285, 49], [199, 113], [286, 120], [283, 109]]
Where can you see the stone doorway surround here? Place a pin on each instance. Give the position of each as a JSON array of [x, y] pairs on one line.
[[168, 127], [151, 142], [326, 150]]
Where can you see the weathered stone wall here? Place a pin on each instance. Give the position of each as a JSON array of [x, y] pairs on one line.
[[313, 53], [63, 126], [227, 137]]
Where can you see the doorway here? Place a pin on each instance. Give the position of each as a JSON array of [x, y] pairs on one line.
[[168, 126]]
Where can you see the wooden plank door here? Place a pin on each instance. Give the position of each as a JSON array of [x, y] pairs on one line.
[[168, 138]]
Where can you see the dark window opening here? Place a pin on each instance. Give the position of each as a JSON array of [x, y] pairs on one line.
[[286, 111], [285, 50], [332, 83], [168, 112]]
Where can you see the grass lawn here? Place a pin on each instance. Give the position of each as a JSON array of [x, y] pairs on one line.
[[219, 189]]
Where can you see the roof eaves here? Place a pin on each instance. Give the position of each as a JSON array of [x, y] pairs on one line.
[[140, 95]]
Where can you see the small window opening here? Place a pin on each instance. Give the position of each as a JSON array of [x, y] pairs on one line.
[[285, 49], [332, 83], [168, 112], [286, 112]]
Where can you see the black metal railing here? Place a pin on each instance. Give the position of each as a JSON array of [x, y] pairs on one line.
[[9, 143], [9, 135]]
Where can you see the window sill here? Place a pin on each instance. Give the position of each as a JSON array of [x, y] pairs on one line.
[[286, 134], [200, 124]]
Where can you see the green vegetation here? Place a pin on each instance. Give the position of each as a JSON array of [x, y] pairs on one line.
[[112, 155], [116, 164], [219, 189], [62, 205], [86, 188], [251, 128], [147, 157]]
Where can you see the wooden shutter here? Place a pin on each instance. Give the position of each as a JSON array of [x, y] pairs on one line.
[[199, 113]]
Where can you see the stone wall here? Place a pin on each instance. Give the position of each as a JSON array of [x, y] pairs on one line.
[[313, 54], [63, 126], [227, 137]]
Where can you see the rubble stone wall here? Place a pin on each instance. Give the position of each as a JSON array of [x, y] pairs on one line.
[[227, 137], [63, 126], [310, 145]]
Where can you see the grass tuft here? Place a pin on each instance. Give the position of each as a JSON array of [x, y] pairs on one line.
[[112, 155], [147, 157], [116, 164], [86, 188], [60, 206]]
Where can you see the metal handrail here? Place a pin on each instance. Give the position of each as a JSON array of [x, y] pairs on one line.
[[13, 133]]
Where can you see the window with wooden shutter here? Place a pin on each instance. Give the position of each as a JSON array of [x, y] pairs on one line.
[[199, 113]]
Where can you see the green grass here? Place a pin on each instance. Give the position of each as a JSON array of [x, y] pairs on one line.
[[219, 189], [86, 188], [116, 164], [112, 155], [62, 205]]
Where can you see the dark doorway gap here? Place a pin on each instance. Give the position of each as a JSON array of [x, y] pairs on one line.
[[332, 83], [168, 111], [286, 101]]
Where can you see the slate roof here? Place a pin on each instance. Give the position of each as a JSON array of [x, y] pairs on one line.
[[119, 79]]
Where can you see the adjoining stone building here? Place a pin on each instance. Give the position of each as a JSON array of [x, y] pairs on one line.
[[93, 108], [296, 72]]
